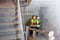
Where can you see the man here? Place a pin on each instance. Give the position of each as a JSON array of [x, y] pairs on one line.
[[38, 22], [39, 26], [34, 23]]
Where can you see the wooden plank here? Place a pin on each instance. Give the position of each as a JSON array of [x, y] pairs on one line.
[[8, 23], [22, 0], [31, 38], [17, 38], [8, 17], [8, 12], [9, 37], [35, 30], [41, 31], [14, 1], [7, 4], [9, 29], [20, 20]]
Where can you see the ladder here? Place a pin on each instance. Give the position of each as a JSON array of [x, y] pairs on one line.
[[11, 19]]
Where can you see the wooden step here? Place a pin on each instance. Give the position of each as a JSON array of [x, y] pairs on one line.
[[10, 37], [7, 8], [16, 39], [8, 12], [8, 17], [9, 23], [9, 29], [31, 38]]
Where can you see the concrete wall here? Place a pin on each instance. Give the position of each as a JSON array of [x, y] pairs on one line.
[[52, 15]]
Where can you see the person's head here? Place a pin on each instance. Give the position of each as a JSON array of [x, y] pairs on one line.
[[34, 17], [38, 17]]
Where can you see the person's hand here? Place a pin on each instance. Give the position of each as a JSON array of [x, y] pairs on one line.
[[38, 25]]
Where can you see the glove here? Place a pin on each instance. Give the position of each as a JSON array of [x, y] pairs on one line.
[[38, 25]]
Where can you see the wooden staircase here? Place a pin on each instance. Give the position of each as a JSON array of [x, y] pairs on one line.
[[11, 27]]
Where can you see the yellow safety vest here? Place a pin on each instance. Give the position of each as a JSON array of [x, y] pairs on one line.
[[35, 21]]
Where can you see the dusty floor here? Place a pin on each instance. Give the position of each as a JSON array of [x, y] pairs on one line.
[[40, 37]]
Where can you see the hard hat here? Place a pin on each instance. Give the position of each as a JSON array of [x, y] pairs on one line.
[[38, 17], [33, 16]]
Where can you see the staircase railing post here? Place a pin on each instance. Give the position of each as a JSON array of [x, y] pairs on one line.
[[20, 27]]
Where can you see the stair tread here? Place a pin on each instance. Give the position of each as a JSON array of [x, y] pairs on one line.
[[8, 16], [9, 29], [8, 12], [8, 23]]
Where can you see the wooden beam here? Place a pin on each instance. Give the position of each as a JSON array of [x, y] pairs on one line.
[[20, 20], [31, 38], [22, 0], [16, 38], [41, 31], [28, 1], [14, 1]]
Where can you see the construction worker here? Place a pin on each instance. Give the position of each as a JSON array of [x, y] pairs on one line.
[[35, 23], [38, 22], [39, 26]]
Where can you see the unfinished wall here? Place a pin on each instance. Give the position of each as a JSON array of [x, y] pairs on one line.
[[49, 11], [52, 15]]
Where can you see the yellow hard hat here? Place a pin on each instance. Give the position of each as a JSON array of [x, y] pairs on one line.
[[34, 16]]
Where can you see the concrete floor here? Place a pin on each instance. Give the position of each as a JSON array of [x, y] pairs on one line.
[[41, 37]]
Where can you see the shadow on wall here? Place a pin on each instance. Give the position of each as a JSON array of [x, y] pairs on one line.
[[45, 19]]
